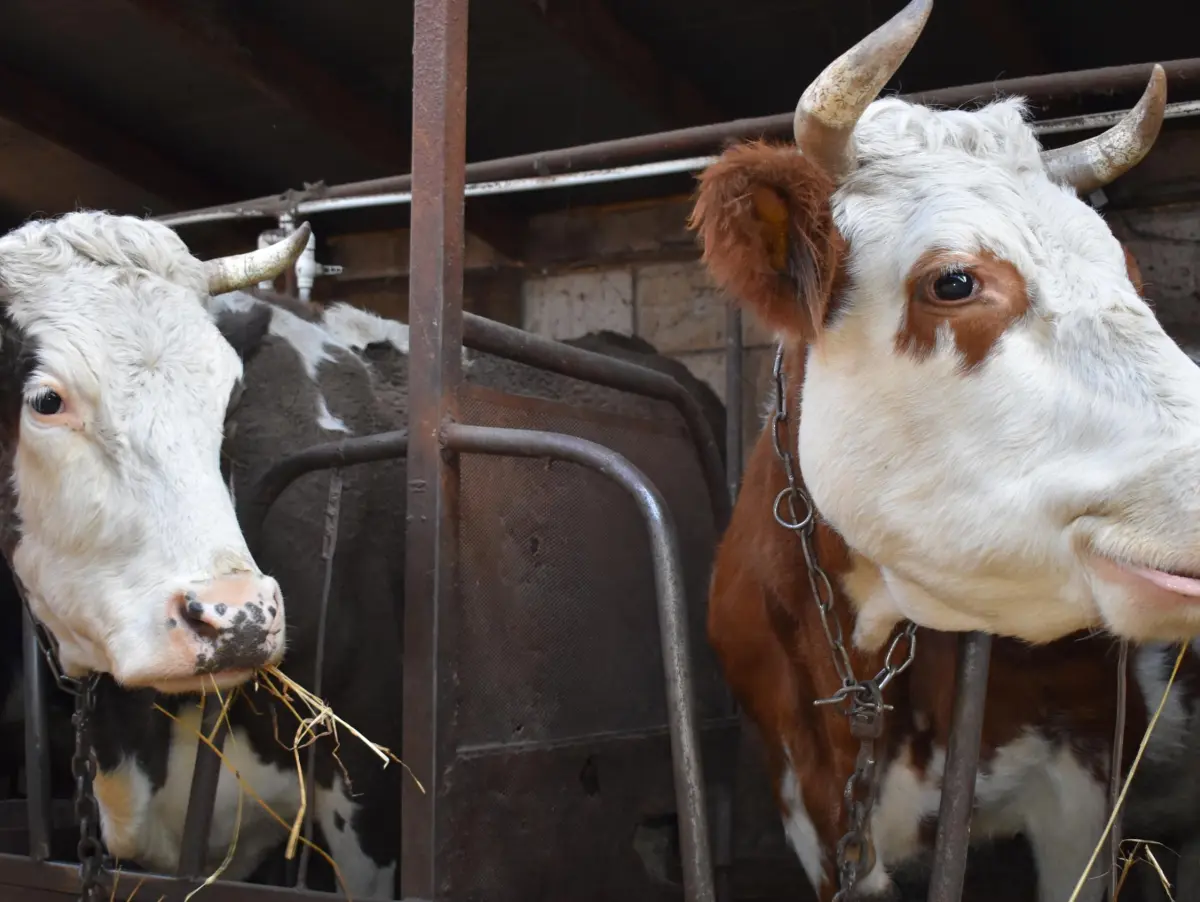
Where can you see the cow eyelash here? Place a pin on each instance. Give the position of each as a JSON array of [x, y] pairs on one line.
[[46, 402]]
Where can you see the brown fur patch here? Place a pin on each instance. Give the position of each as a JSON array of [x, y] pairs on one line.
[[1131, 267], [763, 216], [1001, 297]]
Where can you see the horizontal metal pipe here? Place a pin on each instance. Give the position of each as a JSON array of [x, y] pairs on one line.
[[22, 878], [500, 340], [515, 186], [1064, 125], [605, 155], [347, 452], [672, 618]]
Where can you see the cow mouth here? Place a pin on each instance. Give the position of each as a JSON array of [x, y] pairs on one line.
[[1160, 585], [220, 681]]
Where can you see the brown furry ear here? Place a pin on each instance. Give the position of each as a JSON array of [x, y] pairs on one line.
[[763, 215]]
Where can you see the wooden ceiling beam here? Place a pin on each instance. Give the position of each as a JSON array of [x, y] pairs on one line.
[[36, 108], [590, 27], [225, 37]]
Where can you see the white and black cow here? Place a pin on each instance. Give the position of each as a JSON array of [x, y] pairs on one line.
[[310, 376]]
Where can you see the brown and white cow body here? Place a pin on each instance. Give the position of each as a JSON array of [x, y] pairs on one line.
[[994, 431]]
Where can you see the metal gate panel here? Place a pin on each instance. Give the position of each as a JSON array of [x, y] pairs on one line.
[[562, 766]]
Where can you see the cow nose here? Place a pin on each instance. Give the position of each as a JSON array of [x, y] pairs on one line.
[[245, 605]]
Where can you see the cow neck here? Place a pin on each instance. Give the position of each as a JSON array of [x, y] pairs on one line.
[[847, 570]]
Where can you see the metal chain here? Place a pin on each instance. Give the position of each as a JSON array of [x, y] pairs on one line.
[[862, 700], [92, 869], [92, 863]]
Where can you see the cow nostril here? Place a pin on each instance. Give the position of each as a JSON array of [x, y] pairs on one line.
[[192, 612]]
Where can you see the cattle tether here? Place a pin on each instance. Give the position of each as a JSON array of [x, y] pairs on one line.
[[994, 430]]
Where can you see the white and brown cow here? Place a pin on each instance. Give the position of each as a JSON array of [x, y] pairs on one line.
[[996, 433]]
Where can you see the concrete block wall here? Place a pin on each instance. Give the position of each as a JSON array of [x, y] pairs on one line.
[[652, 285]]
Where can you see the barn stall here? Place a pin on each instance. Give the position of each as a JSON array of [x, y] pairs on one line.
[[557, 243]]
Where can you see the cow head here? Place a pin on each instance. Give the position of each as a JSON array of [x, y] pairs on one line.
[[993, 418], [113, 392]]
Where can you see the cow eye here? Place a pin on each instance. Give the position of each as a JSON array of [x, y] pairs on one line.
[[47, 402], [954, 286]]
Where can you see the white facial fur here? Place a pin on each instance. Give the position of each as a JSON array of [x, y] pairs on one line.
[[982, 495], [121, 501]]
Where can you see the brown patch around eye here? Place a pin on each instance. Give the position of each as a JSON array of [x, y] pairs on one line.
[[1000, 296]]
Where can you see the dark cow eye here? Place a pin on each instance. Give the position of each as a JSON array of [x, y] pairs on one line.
[[954, 286], [46, 402]]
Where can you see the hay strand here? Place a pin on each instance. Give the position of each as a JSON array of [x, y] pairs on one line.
[[1129, 777]]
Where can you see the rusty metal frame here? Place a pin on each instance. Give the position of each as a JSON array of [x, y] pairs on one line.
[[699, 139]]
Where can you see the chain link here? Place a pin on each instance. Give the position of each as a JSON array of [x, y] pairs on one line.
[[83, 767], [862, 700]]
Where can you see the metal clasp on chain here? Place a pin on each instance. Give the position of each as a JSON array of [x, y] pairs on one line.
[[863, 703]]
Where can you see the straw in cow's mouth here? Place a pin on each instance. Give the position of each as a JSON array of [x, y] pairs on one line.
[[321, 721]]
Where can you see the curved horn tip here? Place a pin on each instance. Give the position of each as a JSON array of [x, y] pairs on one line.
[[1095, 162], [242, 270], [837, 97], [830, 107]]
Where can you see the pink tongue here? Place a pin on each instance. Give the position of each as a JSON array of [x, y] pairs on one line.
[[1180, 585]]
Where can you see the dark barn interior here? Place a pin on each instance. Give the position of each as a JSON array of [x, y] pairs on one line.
[[152, 107], [155, 106]]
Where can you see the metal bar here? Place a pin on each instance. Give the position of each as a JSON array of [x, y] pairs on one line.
[[962, 764], [1115, 768], [733, 399], [344, 453], [515, 186], [37, 742], [704, 139], [202, 797], [333, 510], [491, 337], [1065, 125], [42, 880], [434, 374], [723, 792], [672, 614]]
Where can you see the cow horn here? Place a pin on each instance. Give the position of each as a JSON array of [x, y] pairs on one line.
[[830, 106], [1091, 164], [242, 270]]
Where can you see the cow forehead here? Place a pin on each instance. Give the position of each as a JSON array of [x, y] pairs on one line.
[[124, 336], [970, 182]]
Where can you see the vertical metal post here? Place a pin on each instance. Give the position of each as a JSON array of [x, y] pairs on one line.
[[733, 399], [435, 349], [202, 797], [723, 792], [37, 744], [962, 764]]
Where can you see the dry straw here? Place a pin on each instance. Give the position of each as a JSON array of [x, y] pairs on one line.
[[1125, 788], [320, 720]]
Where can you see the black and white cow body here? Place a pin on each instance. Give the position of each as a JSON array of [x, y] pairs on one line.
[[310, 377]]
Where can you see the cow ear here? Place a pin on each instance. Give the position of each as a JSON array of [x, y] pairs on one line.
[[764, 218], [1132, 268], [245, 329]]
